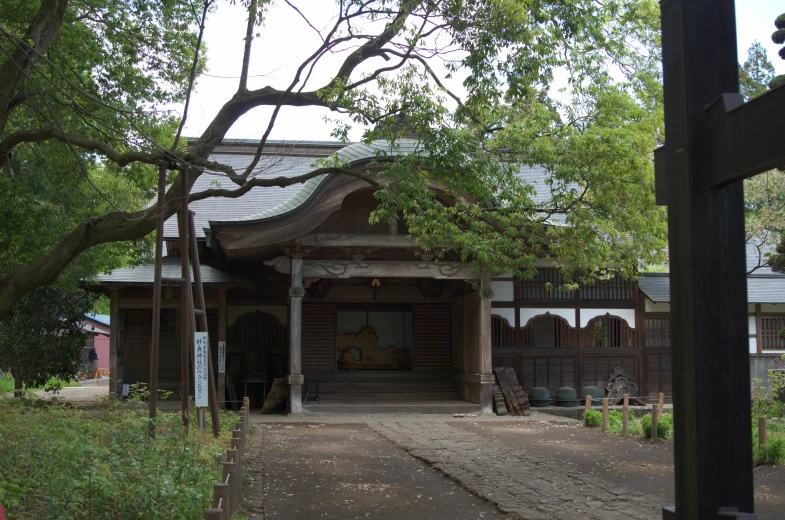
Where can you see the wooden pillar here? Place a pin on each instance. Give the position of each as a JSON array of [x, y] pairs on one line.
[[295, 334], [222, 337], [711, 376], [114, 338], [486, 369], [758, 330]]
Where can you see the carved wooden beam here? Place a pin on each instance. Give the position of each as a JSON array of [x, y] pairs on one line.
[[377, 269], [357, 240]]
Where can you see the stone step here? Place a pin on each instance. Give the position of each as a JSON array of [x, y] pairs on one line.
[[386, 396], [386, 386], [390, 407]]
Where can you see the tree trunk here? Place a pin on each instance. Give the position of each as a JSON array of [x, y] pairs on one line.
[[18, 386]]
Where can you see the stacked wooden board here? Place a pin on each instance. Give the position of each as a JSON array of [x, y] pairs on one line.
[[498, 401], [515, 399]]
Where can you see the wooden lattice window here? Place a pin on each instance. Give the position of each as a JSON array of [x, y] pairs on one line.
[[537, 288], [547, 332], [616, 288], [608, 332], [770, 327], [658, 332], [502, 335]]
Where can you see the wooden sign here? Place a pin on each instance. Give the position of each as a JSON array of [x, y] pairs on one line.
[[221, 357], [201, 343]]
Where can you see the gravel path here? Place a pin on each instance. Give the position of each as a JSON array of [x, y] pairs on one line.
[[517, 480]]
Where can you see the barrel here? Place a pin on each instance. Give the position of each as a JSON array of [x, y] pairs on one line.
[[566, 396], [539, 397], [596, 394]]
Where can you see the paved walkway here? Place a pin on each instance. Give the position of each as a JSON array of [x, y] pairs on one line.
[[516, 480]]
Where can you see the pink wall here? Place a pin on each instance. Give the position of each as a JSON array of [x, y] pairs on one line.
[[102, 349]]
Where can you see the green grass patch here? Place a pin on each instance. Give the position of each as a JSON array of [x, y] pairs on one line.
[[593, 418], [61, 463], [664, 426], [53, 383], [773, 451]]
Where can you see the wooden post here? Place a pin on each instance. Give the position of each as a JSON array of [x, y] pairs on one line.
[[222, 337], [213, 514], [159, 246], [485, 344], [626, 415], [761, 433], [586, 411], [231, 478], [662, 403], [114, 339], [186, 311], [197, 272], [708, 283], [221, 499], [295, 335], [654, 415], [604, 414]]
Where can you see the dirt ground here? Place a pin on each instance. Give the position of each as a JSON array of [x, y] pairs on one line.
[[345, 471], [638, 465]]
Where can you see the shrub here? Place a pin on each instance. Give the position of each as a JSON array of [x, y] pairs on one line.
[[615, 421], [60, 462], [593, 418], [664, 426]]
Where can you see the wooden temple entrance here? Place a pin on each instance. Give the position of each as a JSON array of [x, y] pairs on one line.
[[387, 336]]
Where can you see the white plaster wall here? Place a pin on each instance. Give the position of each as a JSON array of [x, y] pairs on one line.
[[508, 314], [771, 307], [752, 324], [751, 308], [503, 290], [235, 311], [529, 313], [627, 315], [754, 345], [657, 307]]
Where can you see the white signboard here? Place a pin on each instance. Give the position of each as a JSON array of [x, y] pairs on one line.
[[201, 342], [221, 357]]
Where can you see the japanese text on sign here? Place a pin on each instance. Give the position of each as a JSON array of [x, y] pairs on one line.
[[201, 342], [221, 357]]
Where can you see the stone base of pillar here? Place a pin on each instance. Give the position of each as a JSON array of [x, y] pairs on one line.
[[295, 398], [487, 398]]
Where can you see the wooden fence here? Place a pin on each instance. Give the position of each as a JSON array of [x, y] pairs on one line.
[[226, 494]]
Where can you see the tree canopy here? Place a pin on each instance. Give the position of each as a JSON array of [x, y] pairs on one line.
[[571, 87]]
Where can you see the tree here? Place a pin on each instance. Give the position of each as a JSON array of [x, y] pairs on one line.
[[756, 73], [43, 338], [778, 37], [58, 95]]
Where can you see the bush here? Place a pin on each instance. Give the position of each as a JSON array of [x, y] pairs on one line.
[[615, 421], [593, 418], [60, 462], [664, 426]]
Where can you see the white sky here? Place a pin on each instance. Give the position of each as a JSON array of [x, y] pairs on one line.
[[285, 40]]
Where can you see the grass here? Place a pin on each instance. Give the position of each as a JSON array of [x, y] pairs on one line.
[[773, 451], [640, 427], [61, 463], [7, 384]]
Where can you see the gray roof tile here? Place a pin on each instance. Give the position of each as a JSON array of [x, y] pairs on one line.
[[145, 275], [760, 288]]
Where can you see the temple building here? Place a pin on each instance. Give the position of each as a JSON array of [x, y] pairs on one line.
[[357, 317]]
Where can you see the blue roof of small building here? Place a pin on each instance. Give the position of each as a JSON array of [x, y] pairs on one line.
[[100, 318]]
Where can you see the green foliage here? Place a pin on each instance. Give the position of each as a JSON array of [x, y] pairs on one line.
[[43, 338], [141, 392], [778, 37], [64, 463], [593, 418], [756, 73], [664, 425], [773, 451]]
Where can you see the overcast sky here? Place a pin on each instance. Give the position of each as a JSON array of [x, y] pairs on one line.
[[285, 40]]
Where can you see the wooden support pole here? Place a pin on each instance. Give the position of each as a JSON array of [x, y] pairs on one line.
[[197, 271], [154, 346], [186, 314], [295, 337], [234, 480], [626, 415], [604, 414], [222, 338], [654, 415], [114, 341], [661, 403], [485, 345], [761, 433], [213, 514], [586, 411]]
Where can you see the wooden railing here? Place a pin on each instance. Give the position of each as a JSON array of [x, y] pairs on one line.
[[226, 493]]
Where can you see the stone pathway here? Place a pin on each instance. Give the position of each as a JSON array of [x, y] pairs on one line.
[[516, 481]]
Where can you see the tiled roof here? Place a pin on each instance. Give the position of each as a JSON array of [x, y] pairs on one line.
[[262, 203], [100, 318], [145, 275], [766, 288]]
